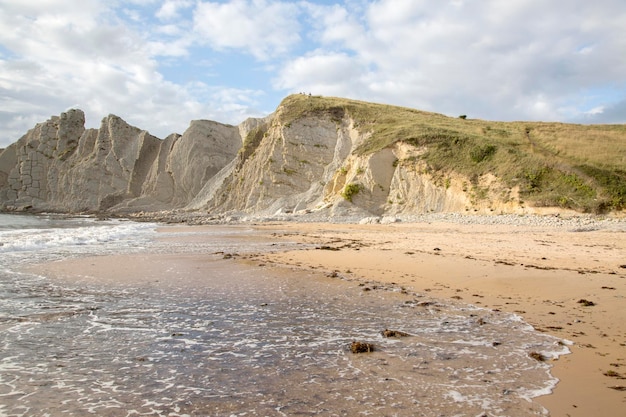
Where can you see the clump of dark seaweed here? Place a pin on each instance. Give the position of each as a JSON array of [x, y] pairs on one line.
[[394, 333], [586, 303], [614, 374], [538, 356], [361, 347]]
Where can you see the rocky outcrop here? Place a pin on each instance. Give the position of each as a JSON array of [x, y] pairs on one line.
[[334, 157], [61, 166], [310, 164], [263, 166], [283, 167]]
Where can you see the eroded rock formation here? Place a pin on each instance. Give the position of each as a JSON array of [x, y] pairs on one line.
[[61, 166], [280, 164]]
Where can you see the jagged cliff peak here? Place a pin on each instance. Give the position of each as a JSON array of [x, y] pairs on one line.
[[61, 166]]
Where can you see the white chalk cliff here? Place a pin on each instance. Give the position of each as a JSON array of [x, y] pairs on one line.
[[279, 164], [61, 166]]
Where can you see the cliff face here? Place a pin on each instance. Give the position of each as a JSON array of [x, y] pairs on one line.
[[61, 166], [333, 156], [263, 166], [310, 164]]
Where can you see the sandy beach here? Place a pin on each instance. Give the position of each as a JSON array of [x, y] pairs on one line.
[[564, 279]]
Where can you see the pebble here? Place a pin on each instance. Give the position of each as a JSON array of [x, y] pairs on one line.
[[573, 223]]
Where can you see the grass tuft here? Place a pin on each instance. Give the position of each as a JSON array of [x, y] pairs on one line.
[[350, 191]]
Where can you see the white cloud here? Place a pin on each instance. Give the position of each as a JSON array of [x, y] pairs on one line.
[[170, 9], [613, 113], [595, 111], [520, 59], [91, 59], [263, 28], [59, 7], [145, 59], [322, 73], [333, 24]]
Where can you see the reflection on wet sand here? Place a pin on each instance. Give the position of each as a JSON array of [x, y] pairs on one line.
[[224, 338]]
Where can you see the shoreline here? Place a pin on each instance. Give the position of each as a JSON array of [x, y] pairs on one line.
[[543, 275], [539, 268]]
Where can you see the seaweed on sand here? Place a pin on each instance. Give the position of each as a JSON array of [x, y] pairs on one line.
[[361, 347], [394, 333]]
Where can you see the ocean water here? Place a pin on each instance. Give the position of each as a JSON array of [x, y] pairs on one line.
[[247, 341]]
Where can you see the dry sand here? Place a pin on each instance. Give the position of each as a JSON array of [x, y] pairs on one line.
[[542, 274]]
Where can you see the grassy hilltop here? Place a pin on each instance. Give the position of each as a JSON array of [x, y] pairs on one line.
[[572, 166]]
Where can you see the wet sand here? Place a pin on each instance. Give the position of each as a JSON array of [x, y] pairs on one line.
[[543, 274], [284, 334]]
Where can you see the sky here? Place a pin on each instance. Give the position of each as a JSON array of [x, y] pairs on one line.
[[159, 64]]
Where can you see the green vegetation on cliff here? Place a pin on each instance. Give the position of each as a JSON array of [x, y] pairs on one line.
[[580, 167]]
